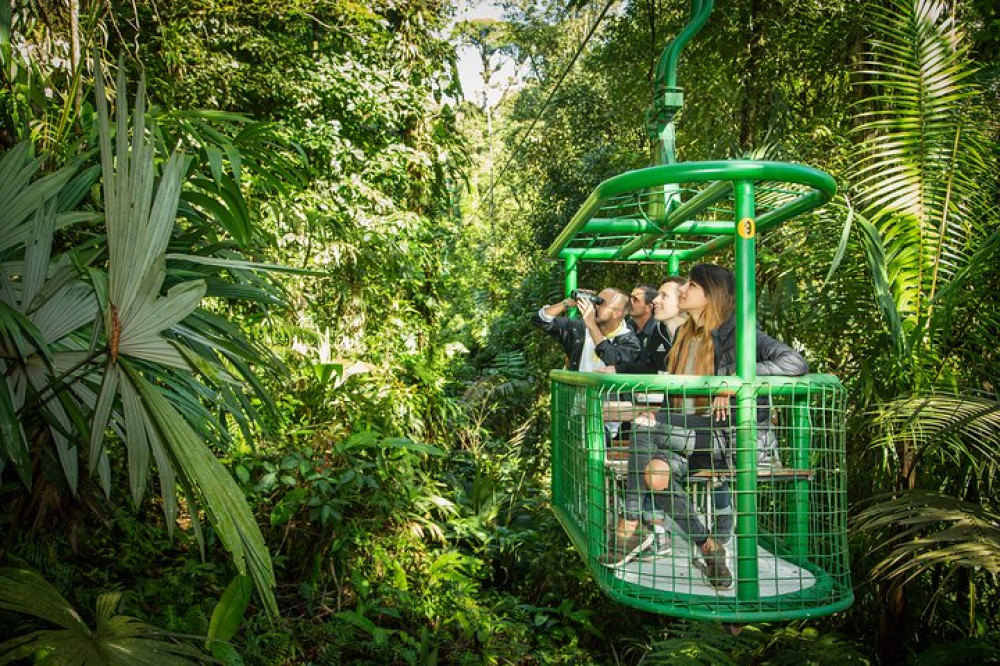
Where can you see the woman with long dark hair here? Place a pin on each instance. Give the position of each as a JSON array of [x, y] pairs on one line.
[[689, 433]]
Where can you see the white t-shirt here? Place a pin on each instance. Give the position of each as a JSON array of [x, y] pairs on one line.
[[589, 360]]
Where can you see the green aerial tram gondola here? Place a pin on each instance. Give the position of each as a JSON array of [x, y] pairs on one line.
[[789, 554]]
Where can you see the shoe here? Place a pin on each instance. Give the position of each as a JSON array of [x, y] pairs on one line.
[[715, 569], [621, 551]]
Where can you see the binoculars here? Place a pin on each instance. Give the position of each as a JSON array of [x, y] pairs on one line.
[[579, 294]]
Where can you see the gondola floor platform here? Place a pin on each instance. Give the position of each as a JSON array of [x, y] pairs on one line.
[[672, 569]]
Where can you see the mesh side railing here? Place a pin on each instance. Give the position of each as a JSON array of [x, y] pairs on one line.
[[653, 489]]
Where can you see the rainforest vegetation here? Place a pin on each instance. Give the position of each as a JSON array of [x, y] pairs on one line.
[[270, 390]]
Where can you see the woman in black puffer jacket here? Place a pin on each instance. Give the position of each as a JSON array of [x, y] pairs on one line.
[[671, 443]]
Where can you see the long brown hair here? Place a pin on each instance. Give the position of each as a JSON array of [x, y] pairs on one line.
[[718, 284]]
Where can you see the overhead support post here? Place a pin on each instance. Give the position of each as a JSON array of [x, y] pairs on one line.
[[747, 573]]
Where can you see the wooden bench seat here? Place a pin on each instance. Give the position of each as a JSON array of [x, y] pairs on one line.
[[617, 460], [763, 474]]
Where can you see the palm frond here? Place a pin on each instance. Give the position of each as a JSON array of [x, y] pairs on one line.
[[23, 198], [140, 219], [118, 640], [923, 529], [962, 428], [221, 497], [923, 157]]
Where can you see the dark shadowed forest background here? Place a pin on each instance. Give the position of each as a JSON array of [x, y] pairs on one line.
[[271, 394]]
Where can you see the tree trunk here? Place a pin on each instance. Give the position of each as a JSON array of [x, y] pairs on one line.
[[74, 41], [894, 630]]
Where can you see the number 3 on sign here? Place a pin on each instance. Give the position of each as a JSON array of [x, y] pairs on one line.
[[747, 228]]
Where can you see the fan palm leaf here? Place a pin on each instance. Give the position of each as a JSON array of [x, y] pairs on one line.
[[87, 352], [38, 313], [960, 430], [140, 219], [117, 640]]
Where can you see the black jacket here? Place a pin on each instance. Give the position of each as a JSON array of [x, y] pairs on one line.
[[773, 357], [653, 356], [571, 333]]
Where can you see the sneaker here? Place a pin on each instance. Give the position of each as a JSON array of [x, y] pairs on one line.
[[661, 546], [715, 569], [621, 551]]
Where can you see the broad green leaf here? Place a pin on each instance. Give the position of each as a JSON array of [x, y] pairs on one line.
[[358, 440], [215, 162], [325, 371], [288, 506], [228, 613], [410, 445]]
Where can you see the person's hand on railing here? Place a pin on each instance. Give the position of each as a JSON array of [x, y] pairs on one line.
[[647, 419], [720, 406]]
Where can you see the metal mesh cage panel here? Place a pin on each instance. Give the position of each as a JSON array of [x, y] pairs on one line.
[[646, 481]]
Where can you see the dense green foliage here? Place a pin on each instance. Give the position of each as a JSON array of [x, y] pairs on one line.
[[274, 320]]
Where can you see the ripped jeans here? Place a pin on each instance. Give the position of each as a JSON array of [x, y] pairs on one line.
[[684, 450]]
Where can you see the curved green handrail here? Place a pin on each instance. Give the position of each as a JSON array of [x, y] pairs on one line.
[[694, 384]]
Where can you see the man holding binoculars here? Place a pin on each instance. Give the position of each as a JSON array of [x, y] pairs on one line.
[[600, 337]]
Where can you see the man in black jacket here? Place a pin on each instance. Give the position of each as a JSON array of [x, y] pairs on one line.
[[598, 338], [657, 335], [640, 314]]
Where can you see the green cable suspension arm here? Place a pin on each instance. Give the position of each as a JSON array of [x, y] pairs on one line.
[[668, 98]]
